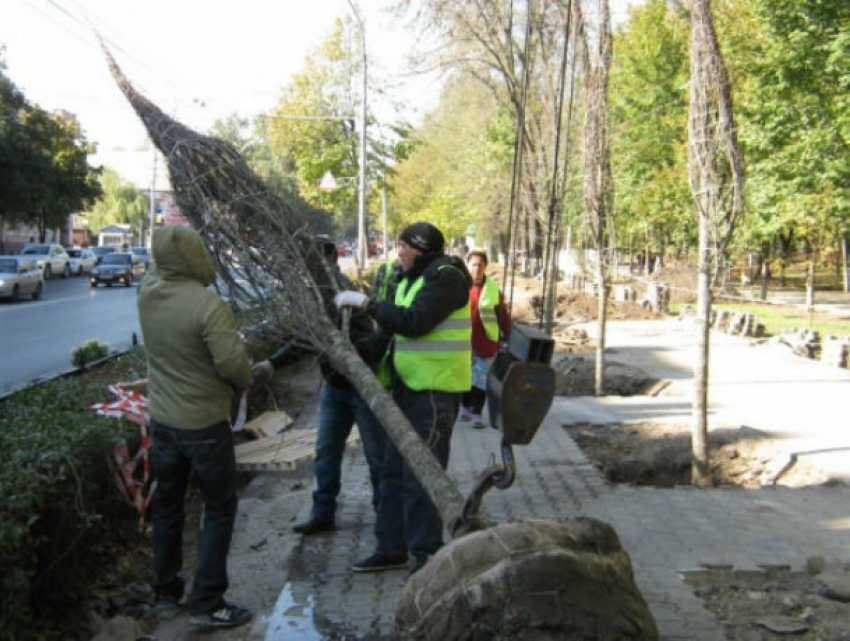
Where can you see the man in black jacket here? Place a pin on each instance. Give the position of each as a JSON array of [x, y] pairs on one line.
[[340, 408], [430, 352]]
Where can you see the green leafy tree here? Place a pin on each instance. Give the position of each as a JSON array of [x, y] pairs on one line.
[[120, 202], [797, 121], [649, 126], [44, 167], [312, 128], [455, 175]]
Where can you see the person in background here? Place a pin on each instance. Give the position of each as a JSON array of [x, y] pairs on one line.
[[340, 407], [196, 368], [430, 352], [491, 322]]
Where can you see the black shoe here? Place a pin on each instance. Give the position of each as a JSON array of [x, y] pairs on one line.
[[314, 526], [379, 563], [227, 616]]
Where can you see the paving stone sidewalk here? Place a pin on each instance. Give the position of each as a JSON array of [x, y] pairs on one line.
[[667, 532]]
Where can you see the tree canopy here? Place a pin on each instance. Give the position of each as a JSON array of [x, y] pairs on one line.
[[44, 173]]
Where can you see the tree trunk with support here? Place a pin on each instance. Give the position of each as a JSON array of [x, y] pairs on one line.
[[712, 140]]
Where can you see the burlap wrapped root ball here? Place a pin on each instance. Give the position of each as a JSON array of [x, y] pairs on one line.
[[530, 580]]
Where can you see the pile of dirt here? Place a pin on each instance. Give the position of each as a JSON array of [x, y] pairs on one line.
[[572, 306], [575, 375], [659, 455], [682, 278]]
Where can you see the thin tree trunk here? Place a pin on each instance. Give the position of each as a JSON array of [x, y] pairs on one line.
[[765, 270], [602, 308], [845, 272], [810, 281], [700, 473]]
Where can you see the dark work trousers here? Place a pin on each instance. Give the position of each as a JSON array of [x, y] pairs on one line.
[[208, 454], [407, 521], [473, 400], [340, 407]]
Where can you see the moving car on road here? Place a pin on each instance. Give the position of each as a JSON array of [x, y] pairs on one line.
[[20, 276], [51, 257], [118, 267], [82, 260], [144, 253], [100, 252]]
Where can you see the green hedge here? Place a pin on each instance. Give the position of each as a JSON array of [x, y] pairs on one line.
[[60, 506]]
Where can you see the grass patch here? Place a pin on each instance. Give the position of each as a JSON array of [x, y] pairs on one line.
[[780, 318]]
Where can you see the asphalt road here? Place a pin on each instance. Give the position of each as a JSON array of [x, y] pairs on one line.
[[36, 337]]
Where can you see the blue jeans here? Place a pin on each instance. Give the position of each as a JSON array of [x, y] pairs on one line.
[[407, 520], [208, 454], [339, 409]]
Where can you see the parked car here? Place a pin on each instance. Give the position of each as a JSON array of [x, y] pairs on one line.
[[51, 257], [118, 267], [20, 276], [82, 260], [144, 253]]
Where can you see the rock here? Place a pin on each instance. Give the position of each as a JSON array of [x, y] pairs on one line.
[[531, 580], [782, 625], [834, 583]]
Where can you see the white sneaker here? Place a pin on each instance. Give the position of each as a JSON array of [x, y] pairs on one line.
[[464, 415]]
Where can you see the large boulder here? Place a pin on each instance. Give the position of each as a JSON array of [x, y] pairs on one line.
[[530, 580]]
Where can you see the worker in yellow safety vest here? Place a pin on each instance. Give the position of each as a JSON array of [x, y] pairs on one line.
[[430, 353]]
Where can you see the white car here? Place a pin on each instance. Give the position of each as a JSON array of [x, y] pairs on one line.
[[82, 260], [20, 276], [52, 258]]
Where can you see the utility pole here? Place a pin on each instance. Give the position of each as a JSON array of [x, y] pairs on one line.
[[153, 200], [362, 241]]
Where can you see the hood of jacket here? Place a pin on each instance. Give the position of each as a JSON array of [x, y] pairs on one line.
[[179, 254]]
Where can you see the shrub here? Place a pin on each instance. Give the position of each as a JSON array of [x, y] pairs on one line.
[[89, 351], [60, 506]]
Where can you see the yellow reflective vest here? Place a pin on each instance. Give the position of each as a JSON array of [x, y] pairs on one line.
[[487, 302], [441, 359]]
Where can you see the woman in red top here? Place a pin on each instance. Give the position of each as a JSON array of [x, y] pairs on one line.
[[491, 322]]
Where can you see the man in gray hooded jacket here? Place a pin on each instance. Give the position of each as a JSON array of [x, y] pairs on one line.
[[196, 367]]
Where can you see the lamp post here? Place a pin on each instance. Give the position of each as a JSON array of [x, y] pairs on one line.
[[362, 250]]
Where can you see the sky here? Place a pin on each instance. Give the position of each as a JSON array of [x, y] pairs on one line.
[[199, 60]]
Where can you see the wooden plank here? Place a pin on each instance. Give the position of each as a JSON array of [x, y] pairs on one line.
[[280, 452], [269, 423]]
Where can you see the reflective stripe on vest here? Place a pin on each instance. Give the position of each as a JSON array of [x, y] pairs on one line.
[[487, 302], [440, 360]]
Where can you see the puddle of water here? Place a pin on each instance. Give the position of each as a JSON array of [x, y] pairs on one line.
[[292, 619]]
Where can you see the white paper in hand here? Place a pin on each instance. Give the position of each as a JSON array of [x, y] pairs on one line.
[[350, 299]]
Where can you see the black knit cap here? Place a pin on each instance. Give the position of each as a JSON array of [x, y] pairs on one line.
[[424, 237]]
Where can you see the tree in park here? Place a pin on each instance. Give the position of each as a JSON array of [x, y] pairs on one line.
[[499, 45], [717, 182], [649, 128], [460, 163], [796, 124]]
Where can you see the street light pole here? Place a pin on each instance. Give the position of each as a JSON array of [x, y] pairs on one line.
[[362, 250]]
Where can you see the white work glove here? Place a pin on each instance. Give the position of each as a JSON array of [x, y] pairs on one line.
[[261, 372], [350, 299]]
